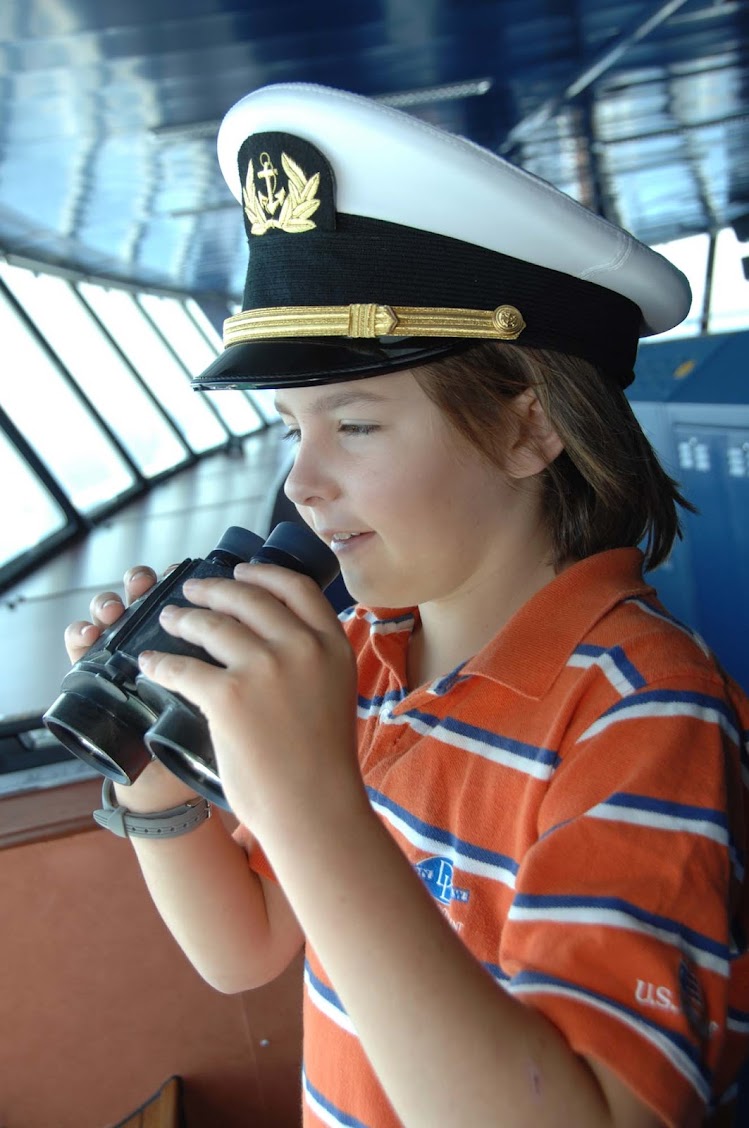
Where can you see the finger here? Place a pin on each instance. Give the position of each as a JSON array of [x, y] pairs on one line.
[[78, 637], [298, 592], [106, 608], [225, 638], [194, 679], [251, 604], [137, 582]]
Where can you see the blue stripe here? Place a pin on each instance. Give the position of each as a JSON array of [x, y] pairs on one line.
[[451, 725], [372, 704], [544, 756], [322, 989], [664, 807], [373, 621], [445, 684], [660, 612], [684, 811], [439, 834], [341, 1117], [682, 1044], [677, 697], [497, 973], [619, 659], [616, 904]]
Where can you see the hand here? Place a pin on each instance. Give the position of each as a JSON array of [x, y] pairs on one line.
[[156, 788], [105, 609], [281, 708]]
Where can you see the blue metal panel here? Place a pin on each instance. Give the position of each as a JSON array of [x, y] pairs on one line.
[[674, 579], [715, 474], [693, 403]]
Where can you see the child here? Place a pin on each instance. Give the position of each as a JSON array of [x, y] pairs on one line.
[[502, 802]]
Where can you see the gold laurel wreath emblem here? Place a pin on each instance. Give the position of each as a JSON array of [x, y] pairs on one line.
[[299, 203]]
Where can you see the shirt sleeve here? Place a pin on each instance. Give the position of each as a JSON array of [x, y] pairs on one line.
[[256, 858], [622, 927]]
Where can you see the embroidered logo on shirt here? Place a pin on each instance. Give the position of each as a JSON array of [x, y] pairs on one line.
[[693, 1001], [437, 875], [650, 995], [690, 1002]]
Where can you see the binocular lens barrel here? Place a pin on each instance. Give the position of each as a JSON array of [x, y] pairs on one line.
[[105, 733]]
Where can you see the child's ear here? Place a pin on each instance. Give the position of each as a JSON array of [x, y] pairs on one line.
[[534, 443]]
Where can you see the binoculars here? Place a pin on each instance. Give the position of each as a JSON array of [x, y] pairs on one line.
[[117, 720]]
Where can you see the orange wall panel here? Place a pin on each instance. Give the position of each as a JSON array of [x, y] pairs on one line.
[[98, 1005]]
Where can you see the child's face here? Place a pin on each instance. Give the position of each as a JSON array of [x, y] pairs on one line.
[[413, 512]]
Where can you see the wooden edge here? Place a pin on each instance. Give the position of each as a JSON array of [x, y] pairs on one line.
[[53, 812], [162, 1110]]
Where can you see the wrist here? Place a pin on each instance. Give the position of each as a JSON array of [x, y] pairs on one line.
[[170, 823], [156, 789]]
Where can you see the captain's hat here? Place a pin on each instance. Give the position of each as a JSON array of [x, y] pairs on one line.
[[379, 242]]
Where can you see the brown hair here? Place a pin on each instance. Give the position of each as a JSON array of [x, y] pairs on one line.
[[607, 488]]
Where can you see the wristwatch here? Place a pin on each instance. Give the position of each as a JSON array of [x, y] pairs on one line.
[[158, 824]]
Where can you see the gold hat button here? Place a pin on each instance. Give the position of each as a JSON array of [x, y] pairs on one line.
[[509, 322]]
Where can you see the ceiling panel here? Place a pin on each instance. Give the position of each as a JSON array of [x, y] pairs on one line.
[[108, 111]]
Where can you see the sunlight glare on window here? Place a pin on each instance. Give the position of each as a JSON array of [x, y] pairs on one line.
[[196, 353], [55, 422], [106, 380], [30, 514], [690, 256], [729, 306], [167, 379]]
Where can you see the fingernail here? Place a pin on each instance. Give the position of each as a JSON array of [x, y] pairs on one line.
[[111, 603], [145, 658], [86, 632], [167, 611], [134, 573]]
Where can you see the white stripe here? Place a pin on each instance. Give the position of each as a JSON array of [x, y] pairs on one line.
[[638, 710], [697, 639], [614, 813], [738, 1025], [339, 1017], [611, 812], [383, 711], [617, 918], [503, 756], [442, 849], [676, 1056], [318, 1109], [656, 821], [387, 626], [608, 666]]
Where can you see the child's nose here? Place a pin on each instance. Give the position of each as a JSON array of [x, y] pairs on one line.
[[308, 481]]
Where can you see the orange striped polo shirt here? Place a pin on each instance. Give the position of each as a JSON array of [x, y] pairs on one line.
[[574, 799]]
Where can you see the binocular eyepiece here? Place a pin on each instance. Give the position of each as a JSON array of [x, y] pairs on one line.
[[117, 720]]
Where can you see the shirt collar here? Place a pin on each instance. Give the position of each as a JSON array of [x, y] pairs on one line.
[[535, 645]]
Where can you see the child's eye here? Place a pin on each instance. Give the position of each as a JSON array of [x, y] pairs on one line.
[[357, 428], [291, 434]]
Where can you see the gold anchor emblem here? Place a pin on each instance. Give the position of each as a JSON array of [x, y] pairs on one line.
[[297, 203], [272, 199]]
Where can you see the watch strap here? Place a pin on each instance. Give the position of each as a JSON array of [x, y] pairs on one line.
[[158, 824]]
